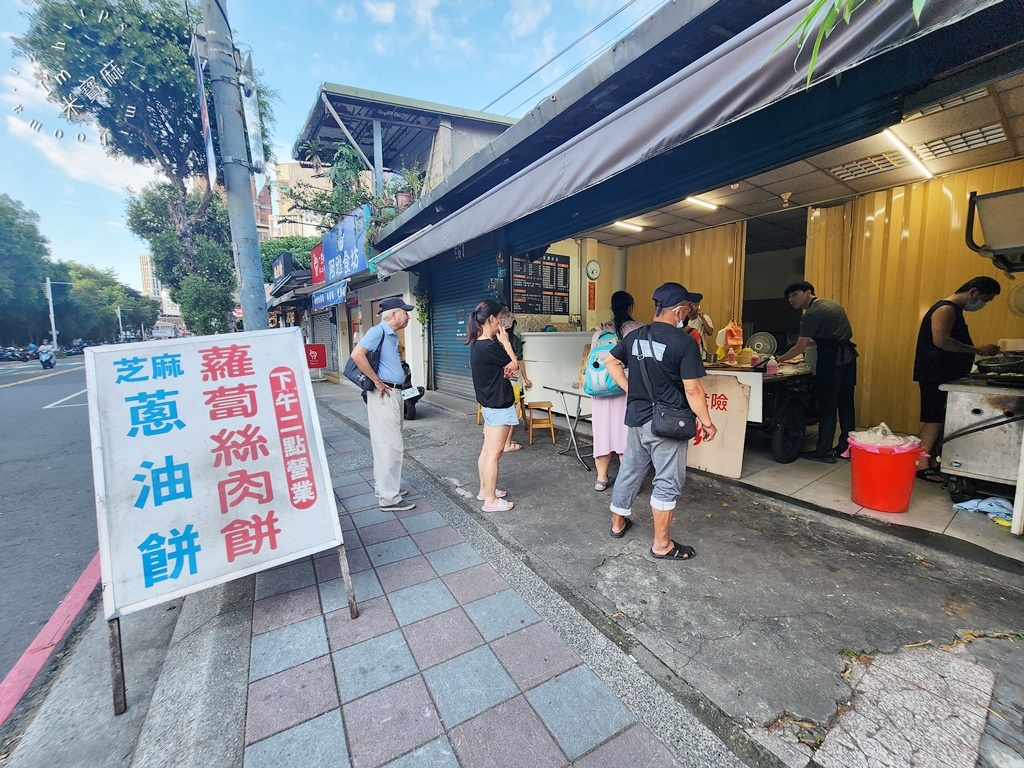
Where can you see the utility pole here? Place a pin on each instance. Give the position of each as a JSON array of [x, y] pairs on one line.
[[49, 299], [220, 52]]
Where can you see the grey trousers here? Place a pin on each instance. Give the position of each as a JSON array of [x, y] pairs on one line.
[[644, 449], [385, 417]]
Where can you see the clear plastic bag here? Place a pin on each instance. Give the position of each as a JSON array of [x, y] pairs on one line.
[[881, 439]]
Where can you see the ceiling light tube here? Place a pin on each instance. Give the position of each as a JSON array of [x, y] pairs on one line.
[[627, 225], [702, 203], [908, 153]]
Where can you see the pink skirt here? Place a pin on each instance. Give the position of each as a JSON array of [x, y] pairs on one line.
[[609, 423]]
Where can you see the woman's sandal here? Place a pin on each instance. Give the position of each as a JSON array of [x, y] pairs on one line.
[[601, 485], [503, 505], [930, 475], [678, 552], [513, 446], [497, 494]]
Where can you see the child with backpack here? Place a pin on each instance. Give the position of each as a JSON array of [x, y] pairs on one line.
[[608, 402]]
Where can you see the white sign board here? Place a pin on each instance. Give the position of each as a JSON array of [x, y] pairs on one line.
[[728, 401], [207, 461]]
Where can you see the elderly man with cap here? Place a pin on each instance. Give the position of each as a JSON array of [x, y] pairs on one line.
[[384, 405], [674, 368]]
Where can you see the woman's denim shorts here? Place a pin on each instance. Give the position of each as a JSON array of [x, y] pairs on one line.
[[501, 417]]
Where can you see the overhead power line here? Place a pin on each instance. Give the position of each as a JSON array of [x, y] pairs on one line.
[[578, 40]]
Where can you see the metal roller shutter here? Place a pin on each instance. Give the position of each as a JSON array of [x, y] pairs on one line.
[[456, 290], [323, 333]]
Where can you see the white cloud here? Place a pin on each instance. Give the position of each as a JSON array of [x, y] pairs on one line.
[[525, 16], [345, 12], [381, 12], [381, 44], [423, 10], [21, 89], [83, 160]]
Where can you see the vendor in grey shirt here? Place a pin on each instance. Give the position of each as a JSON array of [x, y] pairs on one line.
[[826, 324]]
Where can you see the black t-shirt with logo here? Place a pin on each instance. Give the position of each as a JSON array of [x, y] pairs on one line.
[[672, 355], [487, 360]]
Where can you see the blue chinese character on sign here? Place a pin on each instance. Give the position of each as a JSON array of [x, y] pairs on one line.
[[155, 417], [130, 369], [169, 482], [159, 552], [167, 367]]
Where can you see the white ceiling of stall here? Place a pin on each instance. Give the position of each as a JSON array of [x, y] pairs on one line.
[[976, 128]]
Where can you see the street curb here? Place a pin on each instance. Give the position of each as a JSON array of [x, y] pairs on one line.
[[655, 676], [198, 710]]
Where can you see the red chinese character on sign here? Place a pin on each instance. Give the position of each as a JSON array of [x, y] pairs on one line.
[[719, 403], [241, 485], [228, 402], [246, 537], [226, 362], [291, 429], [243, 444]]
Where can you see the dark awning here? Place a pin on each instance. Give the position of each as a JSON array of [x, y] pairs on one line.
[[666, 144]]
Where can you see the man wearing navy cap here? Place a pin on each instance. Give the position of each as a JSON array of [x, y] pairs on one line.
[[384, 405], [674, 367]]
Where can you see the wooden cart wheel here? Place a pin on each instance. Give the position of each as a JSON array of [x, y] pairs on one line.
[[788, 432]]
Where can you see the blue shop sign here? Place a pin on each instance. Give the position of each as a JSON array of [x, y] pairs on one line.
[[331, 295], [344, 246]]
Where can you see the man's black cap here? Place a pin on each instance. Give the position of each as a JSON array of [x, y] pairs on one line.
[[394, 302], [673, 294]]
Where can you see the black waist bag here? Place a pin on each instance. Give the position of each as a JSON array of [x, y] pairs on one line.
[[669, 422], [674, 423]]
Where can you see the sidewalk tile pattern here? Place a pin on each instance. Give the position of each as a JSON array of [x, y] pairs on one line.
[[445, 667]]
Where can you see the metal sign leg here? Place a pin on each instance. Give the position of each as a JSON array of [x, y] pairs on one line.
[[117, 666], [346, 575]]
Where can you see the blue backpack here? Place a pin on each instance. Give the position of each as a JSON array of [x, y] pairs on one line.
[[597, 382]]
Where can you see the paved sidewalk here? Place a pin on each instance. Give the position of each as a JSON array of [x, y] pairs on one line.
[[447, 664]]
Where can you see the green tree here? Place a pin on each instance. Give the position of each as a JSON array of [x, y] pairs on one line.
[[210, 262], [87, 309], [125, 65], [24, 264], [299, 247], [205, 307]]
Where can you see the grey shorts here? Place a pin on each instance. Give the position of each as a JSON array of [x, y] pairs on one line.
[[644, 450]]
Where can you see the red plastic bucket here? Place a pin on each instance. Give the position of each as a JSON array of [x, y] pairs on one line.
[[883, 481]]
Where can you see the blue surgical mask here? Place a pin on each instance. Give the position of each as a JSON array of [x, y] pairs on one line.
[[974, 306]]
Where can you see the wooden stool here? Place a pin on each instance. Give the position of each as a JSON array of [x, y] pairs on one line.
[[541, 421]]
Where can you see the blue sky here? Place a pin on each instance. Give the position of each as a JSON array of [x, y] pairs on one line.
[[462, 53]]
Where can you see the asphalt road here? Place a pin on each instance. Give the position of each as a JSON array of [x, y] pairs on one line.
[[47, 516]]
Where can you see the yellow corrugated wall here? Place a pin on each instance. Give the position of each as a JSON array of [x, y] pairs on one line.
[[710, 262], [887, 257]]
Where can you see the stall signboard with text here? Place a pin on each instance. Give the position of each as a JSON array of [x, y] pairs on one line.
[[331, 295], [316, 355], [316, 264], [208, 463], [727, 401], [345, 245]]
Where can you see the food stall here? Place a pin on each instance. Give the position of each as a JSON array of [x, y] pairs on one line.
[[780, 405], [983, 434]]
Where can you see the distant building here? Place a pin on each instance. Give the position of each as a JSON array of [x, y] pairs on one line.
[[290, 221], [150, 285]]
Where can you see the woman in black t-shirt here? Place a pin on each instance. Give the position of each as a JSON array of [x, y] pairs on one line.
[[493, 363]]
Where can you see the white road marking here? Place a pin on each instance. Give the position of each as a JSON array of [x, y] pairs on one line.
[[73, 405]]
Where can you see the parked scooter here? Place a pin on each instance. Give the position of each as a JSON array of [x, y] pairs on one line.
[[47, 356], [410, 403]]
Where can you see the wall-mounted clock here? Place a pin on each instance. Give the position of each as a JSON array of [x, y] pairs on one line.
[[593, 269]]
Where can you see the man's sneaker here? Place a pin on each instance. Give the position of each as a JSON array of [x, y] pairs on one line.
[[402, 506]]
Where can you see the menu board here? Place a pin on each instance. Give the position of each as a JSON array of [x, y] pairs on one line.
[[540, 288]]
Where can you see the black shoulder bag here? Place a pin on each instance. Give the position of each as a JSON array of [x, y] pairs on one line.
[[668, 422], [356, 376]]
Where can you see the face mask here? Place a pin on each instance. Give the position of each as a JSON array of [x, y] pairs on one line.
[[682, 322], [974, 306]]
